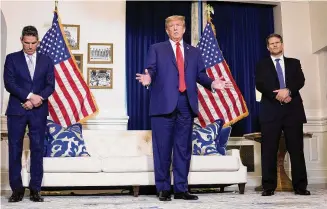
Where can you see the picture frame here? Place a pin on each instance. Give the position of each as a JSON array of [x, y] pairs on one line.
[[79, 61], [72, 33], [100, 53], [99, 78]]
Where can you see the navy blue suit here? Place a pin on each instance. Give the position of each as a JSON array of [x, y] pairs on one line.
[[172, 112], [19, 84]]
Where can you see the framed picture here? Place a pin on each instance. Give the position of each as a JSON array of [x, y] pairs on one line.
[[99, 78], [100, 53], [79, 61], [72, 35]]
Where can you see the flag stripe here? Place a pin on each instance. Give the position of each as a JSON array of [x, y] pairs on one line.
[[205, 107], [81, 90], [229, 97], [221, 98], [87, 90], [62, 90], [227, 104], [60, 108], [242, 103], [53, 114], [56, 114], [73, 88]]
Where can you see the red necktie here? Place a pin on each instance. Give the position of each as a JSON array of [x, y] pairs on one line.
[[180, 66]]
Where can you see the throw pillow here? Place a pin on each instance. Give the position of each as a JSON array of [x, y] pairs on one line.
[[203, 139], [65, 142], [222, 139]]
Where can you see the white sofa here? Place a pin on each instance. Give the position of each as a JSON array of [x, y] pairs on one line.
[[124, 158]]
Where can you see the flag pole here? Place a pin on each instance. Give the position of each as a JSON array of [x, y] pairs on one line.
[[56, 5], [209, 19]]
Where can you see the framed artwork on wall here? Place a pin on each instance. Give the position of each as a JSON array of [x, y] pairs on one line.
[[79, 61], [100, 53], [72, 34], [99, 78]]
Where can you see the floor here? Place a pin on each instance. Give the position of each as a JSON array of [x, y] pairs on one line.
[[230, 199]]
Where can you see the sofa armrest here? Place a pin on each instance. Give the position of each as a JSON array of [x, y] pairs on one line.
[[235, 153]]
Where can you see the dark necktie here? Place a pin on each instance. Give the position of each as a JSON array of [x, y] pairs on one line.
[[180, 66], [280, 74]]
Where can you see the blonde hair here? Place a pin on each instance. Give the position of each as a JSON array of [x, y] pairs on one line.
[[175, 17]]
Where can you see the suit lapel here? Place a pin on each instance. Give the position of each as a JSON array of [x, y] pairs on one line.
[[170, 52], [186, 54], [272, 67], [286, 64], [25, 70], [37, 68]]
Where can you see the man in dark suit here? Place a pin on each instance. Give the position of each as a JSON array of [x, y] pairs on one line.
[[29, 78], [173, 70], [280, 79]]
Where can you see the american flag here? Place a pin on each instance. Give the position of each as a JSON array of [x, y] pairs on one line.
[[227, 104], [72, 100]]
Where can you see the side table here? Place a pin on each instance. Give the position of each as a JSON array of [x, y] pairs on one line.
[[284, 183]]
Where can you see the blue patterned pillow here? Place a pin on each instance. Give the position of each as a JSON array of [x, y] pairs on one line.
[[65, 142], [203, 139], [222, 139]]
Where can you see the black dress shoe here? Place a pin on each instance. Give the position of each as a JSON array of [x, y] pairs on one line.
[[302, 192], [185, 196], [164, 196], [35, 196], [16, 196], [268, 192]]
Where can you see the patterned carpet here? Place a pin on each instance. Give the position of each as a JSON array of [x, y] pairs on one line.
[[226, 200]]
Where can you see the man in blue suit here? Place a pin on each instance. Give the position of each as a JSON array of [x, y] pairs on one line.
[[173, 69], [29, 78]]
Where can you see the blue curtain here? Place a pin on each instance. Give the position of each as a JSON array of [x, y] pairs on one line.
[[241, 31], [145, 25]]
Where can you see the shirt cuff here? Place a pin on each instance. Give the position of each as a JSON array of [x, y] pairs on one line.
[[29, 95]]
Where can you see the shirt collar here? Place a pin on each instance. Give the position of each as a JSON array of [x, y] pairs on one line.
[[33, 55], [281, 58], [173, 43]]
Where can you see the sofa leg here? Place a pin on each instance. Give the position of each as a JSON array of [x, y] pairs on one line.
[[136, 190], [241, 188], [222, 189]]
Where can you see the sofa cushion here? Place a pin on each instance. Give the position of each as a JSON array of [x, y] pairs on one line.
[[214, 163], [203, 139], [222, 139], [70, 165], [65, 142], [127, 164]]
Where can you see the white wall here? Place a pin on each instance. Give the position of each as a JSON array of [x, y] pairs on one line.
[[318, 17], [100, 22]]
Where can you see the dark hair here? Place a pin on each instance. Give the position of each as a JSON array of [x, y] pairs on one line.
[[30, 31], [274, 35]]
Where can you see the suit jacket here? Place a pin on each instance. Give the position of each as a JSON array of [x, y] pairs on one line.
[[163, 70], [267, 81], [19, 84]]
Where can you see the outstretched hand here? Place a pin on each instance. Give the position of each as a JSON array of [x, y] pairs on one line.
[[145, 79], [220, 84]]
